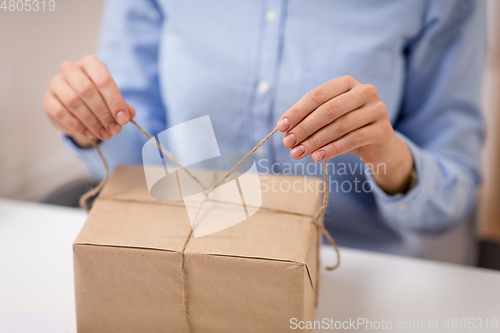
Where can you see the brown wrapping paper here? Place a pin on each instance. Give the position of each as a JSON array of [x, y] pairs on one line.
[[252, 277]]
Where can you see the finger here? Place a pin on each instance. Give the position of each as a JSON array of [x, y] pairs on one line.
[[80, 140], [131, 110], [61, 127], [88, 93], [334, 131], [72, 102], [58, 114], [323, 115], [314, 99], [347, 143], [98, 73]]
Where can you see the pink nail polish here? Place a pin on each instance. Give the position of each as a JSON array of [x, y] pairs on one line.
[[88, 134], [298, 151], [104, 134], [114, 128], [122, 117], [319, 155], [283, 124], [290, 140]]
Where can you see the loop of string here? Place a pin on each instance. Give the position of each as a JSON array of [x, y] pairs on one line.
[[316, 220]]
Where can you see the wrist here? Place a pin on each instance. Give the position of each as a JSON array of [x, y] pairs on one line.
[[395, 177]]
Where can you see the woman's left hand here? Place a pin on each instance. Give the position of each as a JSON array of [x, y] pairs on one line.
[[345, 116]]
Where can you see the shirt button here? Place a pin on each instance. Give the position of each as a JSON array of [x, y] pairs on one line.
[[263, 87], [271, 16], [402, 208]]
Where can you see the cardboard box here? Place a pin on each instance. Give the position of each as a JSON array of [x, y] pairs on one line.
[[252, 277]]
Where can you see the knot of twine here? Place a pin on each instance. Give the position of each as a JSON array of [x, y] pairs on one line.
[[314, 219]]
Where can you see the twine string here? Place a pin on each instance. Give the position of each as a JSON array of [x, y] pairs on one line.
[[244, 158], [83, 202], [183, 282], [166, 152], [316, 220]]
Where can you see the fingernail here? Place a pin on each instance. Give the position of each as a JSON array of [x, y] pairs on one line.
[[88, 134], [319, 155], [298, 151], [122, 117], [283, 124], [114, 128], [104, 134], [290, 140]]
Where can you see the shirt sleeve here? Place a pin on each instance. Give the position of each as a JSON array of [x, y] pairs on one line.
[[129, 45], [441, 120]]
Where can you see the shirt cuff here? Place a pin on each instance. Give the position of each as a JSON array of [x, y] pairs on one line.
[[89, 156], [123, 148], [401, 211]]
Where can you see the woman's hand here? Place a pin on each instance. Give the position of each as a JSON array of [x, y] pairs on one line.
[[345, 116], [84, 102]]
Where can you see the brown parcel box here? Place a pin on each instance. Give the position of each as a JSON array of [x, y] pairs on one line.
[[252, 277]]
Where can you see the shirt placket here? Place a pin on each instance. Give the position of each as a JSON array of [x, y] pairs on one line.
[[268, 60]]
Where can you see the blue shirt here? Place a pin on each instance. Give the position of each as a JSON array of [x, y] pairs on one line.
[[245, 63]]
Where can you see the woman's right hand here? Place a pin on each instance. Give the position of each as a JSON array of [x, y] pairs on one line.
[[84, 102]]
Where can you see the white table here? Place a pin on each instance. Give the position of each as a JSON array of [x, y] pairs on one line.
[[36, 278]]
